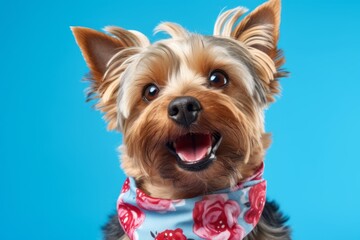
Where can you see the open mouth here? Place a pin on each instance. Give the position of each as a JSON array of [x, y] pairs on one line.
[[195, 151]]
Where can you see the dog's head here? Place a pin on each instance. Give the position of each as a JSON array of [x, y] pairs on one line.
[[190, 107]]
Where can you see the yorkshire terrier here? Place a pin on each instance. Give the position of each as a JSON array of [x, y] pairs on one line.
[[191, 111]]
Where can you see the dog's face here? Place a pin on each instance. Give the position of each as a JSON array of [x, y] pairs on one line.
[[190, 107]]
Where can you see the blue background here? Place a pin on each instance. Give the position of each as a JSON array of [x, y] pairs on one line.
[[59, 171]]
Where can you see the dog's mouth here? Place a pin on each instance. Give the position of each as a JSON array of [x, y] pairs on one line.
[[195, 151]]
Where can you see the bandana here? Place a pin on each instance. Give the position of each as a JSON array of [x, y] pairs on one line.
[[226, 214]]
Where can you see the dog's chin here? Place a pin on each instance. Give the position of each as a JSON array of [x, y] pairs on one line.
[[195, 151]]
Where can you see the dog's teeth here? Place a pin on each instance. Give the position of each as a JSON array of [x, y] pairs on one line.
[[199, 158], [181, 156], [208, 151]]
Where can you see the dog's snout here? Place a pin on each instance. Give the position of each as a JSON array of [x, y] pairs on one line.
[[184, 110]]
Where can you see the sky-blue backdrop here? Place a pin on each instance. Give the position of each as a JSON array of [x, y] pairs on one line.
[[59, 171]]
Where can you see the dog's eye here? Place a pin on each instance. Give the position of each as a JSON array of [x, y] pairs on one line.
[[151, 92], [218, 79]]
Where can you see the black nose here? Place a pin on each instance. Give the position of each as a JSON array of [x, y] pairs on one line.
[[184, 110]]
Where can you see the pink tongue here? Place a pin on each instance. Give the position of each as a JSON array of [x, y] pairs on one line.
[[193, 147]]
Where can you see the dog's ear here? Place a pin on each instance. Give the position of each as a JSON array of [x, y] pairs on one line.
[[259, 32], [97, 49], [106, 55]]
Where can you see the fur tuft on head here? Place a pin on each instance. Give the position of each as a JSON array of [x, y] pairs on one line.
[[173, 29]]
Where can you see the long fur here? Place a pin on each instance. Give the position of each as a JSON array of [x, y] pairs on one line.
[[123, 63]]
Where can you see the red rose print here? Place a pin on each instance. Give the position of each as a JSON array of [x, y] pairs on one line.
[[130, 218], [176, 234], [257, 198], [153, 204], [126, 186], [215, 218]]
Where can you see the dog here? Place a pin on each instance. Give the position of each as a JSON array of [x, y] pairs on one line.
[[191, 111]]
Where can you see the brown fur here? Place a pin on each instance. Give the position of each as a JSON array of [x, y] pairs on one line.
[[123, 64]]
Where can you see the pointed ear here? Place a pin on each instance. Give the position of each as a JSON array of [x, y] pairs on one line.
[[259, 29], [259, 32], [97, 49], [106, 55], [266, 14]]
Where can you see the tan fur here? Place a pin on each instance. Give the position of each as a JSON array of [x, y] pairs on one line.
[[180, 66], [173, 29], [124, 237]]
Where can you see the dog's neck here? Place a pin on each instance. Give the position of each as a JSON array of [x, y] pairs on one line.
[[236, 212], [170, 189], [156, 186]]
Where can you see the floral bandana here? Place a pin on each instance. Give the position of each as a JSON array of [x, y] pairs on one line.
[[225, 214]]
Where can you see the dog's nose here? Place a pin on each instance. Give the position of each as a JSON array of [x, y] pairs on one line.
[[184, 110]]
